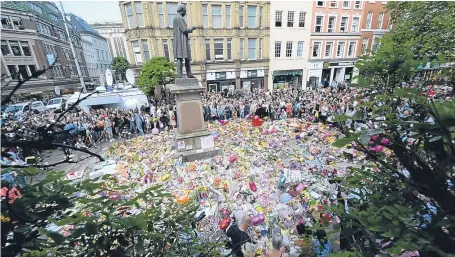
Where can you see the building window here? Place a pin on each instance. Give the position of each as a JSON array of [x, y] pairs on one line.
[[32, 69], [161, 16], [166, 49], [277, 49], [219, 51], [260, 15], [380, 20], [53, 17], [302, 19], [13, 72], [228, 16], [389, 26], [369, 19], [278, 18], [205, 16], [340, 49], [346, 4], [17, 23], [355, 24], [52, 7], [23, 71], [229, 49], [130, 16], [320, 3], [171, 12], [260, 48], [318, 24], [241, 18], [290, 19], [6, 22], [57, 69], [316, 46], [343, 24], [36, 8], [357, 4], [145, 48], [331, 25], [289, 49], [383, 2], [15, 48], [351, 49], [300, 49], [136, 51], [207, 50], [25, 48], [242, 49], [216, 16], [333, 4], [252, 48], [5, 48], [251, 16], [140, 16], [328, 49]]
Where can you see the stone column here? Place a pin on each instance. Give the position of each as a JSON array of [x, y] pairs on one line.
[[332, 71], [237, 79], [266, 80]]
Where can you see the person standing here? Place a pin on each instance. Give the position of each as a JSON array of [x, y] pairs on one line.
[[238, 236], [139, 121], [278, 248], [172, 119]]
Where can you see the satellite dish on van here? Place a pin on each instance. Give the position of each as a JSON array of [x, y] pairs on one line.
[[130, 76], [57, 90], [109, 78]]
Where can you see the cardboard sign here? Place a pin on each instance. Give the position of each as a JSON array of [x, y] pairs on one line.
[[181, 145]]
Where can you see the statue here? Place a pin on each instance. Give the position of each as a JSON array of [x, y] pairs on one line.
[[181, 49]]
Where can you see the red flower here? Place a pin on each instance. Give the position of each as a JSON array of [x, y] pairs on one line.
[[13, 194]]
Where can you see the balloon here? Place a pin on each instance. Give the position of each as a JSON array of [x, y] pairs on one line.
[[252, 186], [165, 177], [256, 220], [224, 223], [182, 199], [297, 136], [385, 141], [155, 131], [284, 198], [378, 148], [232, 159], [299, 188]]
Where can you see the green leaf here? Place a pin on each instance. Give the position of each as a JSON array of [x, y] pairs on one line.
[[391, 209], [56, 237], [90, 229], [341, 142]]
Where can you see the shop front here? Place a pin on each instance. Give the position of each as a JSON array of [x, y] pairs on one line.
[[314, 74], [287, 78], [337, 71], [252, 79], [218, 82]]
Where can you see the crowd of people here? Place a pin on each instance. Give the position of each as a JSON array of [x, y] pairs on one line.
[[88, 129]]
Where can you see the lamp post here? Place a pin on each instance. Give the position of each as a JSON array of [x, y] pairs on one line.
[[72, 50]]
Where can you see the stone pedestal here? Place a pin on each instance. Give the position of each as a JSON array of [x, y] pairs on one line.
[[192, 139]]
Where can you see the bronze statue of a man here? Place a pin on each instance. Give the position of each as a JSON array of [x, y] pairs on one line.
[[181, 49]]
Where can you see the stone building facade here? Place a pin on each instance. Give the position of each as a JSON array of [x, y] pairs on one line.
[[229, 51], [33, 36]]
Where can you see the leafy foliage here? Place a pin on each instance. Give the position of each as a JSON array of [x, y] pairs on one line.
[[156, 72], [97, 218], [120, 65]]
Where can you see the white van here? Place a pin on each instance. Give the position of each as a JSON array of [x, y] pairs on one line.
[[56, 104], [19, 108]]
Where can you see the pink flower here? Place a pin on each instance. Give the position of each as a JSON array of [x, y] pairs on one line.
[[13, 194]]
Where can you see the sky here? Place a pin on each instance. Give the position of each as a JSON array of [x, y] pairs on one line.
[[93, 11]]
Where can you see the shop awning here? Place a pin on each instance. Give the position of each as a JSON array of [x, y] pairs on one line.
[[287, 72], [112, 99]]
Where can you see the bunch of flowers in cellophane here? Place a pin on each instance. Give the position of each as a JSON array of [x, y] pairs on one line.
[[273, 172]]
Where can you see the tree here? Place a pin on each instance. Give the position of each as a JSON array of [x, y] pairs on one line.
[[426, 27], [120, 65], [95, 218], [156, 72]]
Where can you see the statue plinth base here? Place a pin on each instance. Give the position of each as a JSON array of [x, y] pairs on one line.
[[192, 139]]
